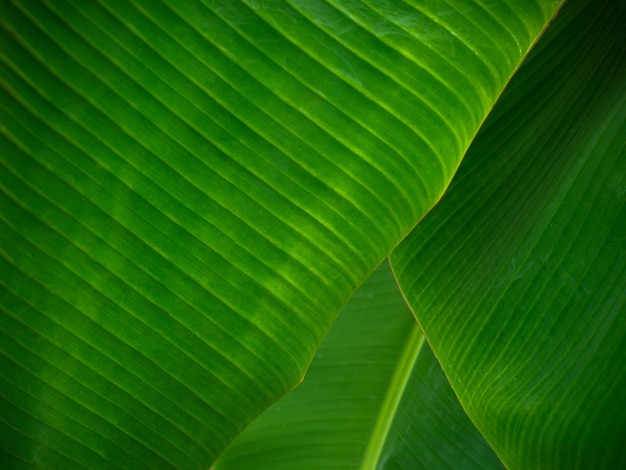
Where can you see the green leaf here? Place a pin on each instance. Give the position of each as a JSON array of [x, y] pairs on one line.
[[191, 191], [374, 397], [518, 276]]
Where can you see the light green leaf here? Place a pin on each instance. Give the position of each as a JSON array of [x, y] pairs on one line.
[[374, 397], [191, 191], [518, 276]]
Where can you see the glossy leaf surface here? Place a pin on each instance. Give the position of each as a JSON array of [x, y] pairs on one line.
[[518, 276], [191, 191]]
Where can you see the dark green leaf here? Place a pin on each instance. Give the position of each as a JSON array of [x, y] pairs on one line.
[[518, 277]]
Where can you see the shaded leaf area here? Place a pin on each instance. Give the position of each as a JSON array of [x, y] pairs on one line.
[[191, 191], [430, 429], [374, 397], [518, 276]]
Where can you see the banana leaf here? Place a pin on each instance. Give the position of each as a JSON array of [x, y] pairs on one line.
[[191, 191], [518, 276]]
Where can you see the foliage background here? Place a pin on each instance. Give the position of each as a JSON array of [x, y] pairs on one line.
[[191, 192]]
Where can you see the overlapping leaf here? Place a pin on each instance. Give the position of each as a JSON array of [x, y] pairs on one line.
[[374, 397], [518, 277]]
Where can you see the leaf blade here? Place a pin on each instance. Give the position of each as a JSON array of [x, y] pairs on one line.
[[529, 325], [189, 209]]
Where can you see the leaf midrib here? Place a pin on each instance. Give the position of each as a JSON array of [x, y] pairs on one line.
[[392, 399]]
